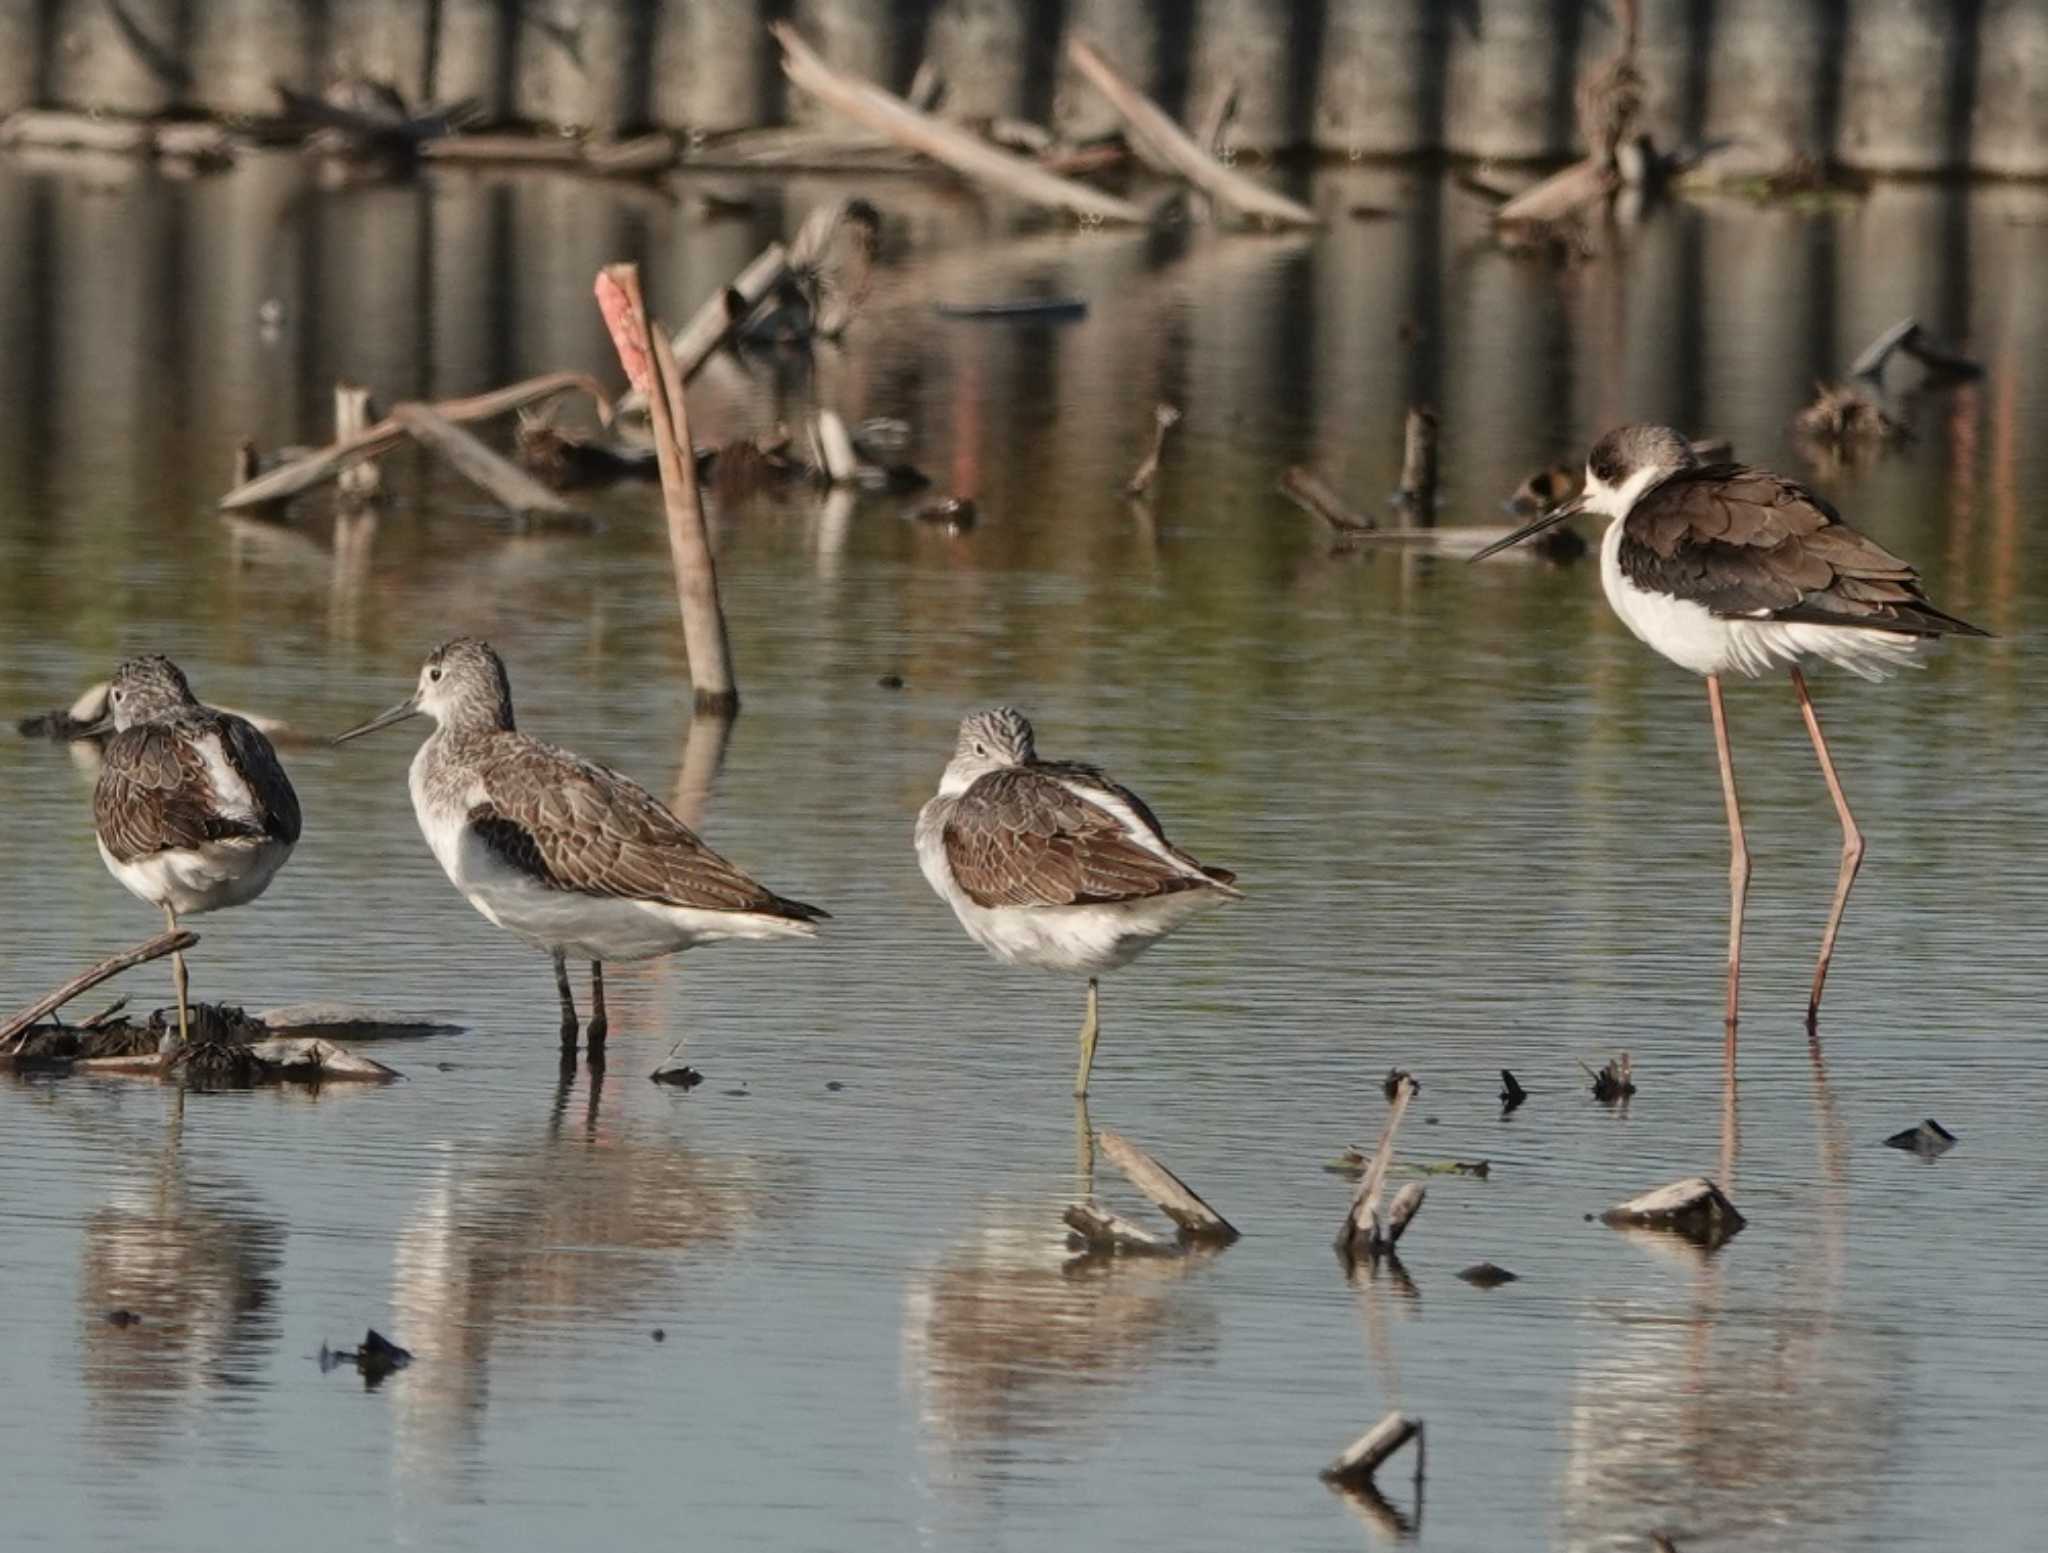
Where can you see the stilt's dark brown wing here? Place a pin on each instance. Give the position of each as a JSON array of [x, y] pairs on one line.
[[1048, 835], [574, 825], [154, 795], [1750, 544]]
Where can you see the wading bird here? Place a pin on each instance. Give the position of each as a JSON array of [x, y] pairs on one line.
[[558, 850], [1051, 864], [1725, 569], [192, 810]]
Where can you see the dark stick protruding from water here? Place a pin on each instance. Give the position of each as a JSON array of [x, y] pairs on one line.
[[153, 949], [1418, 463]]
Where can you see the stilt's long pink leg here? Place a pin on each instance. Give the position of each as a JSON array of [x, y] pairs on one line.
[[1738, 851], [1852, 848]]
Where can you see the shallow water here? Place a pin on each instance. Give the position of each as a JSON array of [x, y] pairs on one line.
[[1478, 825]]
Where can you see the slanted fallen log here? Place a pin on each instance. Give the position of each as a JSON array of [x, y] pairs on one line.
[[1562, 194], [1153, 129], [1907, 335], [1363, 1457], [1102, 1231], [1364, 1232], [1308, 491], [151, 949], [314, 1059], [719, 317], [958, 149], [1172, 1196], [303, 474], [1695, 1208], [349, 1021], [498, 477], [1164, 418]]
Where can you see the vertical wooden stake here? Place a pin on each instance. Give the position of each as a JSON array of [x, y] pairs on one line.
[[1418, 465], [362, 481], [650, 365]]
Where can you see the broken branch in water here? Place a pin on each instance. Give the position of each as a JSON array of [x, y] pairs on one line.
[[1613, 1082], [113, 965], [1102, 1231], [965, 153], [1164, 418], [1153, 128], [1364, 1232], [1907, 335], [1172, 1196], [1695, 1208], [1308, 491], [657, 375], [315, 468], [1364, 1456], [498, 477]]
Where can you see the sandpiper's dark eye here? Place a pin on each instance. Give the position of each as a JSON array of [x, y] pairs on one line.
[[434, 675], [980, 749]]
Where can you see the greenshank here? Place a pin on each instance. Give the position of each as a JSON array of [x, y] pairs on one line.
[[192, 810], [563, 853], [1725, 569], [1051, 864]]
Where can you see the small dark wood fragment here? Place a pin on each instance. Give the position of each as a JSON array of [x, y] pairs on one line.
[[1695, 1208], [1929, 1140], [1391, 1085], [1613, 1082], [1512, 1093], [1486, 1275]]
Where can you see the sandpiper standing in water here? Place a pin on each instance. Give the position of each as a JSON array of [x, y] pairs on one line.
[[558, 850], [1051, 864], [192, 809], [1725, 569]]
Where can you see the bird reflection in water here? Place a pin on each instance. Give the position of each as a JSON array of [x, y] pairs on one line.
[[1012, 1336], [177, 1297], [540, 1237], [1750, 1414]]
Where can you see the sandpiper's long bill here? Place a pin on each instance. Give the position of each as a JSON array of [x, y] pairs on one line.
[[1727, 569], [192, 810], [1051, 864], [561, 852]]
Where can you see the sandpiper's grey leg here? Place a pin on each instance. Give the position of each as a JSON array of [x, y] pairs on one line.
[[1091, 1026], [179, 981], [1852, 848], [1738, 848], [599, 1025], [569, 1025]]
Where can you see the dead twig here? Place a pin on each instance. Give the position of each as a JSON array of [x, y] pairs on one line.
[[1152, 128], [498, 477], [152, 949], [1171, 1195], [1164, 418], [1308, 491], [1364, 1232]]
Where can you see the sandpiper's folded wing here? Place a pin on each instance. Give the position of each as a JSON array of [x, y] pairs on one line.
[[253, 758], [1064, 835], [574, 825], [1748, 544], [155, 794]]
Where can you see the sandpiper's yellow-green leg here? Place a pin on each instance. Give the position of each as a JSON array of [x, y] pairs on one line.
[[178, 980], [1091, 1026], [599, 1025], [569, 1025], [1084, 1147]]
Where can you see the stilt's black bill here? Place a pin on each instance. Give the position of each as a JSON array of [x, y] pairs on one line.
[[409, 707], [1550, 519]]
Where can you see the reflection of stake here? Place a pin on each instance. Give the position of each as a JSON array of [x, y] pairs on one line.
[[1164, 418]]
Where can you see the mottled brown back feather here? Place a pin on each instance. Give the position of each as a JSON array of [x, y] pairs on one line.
[[1022, 837], [574, 825], [153, 793], [1749, 544]]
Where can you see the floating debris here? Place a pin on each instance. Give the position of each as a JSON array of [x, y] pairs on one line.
[[955, 514], [659, 1335], [1017, 309], [122, 1318], [1512, 1093], [1310, 492], [1695, 1208], [890, 682], [1929, 1140], [1097, 1230], [376, 1358], [1364, 1456], [1843, 418], [1488, 1275], [1613, 1082], [674, 1070]]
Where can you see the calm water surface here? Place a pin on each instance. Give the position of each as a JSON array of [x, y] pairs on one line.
[[1479, 828]]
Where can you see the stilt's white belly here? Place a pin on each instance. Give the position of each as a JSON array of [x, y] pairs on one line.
[[1085, 940], [191, 880], [1695, 638]]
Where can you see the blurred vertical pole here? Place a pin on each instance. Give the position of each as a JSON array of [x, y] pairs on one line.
[[21, 32], [1132, 33], [1266, 49], [98, 65], [1905, 91], [1511, 69], [473, 55], [1773, 82], [383, 40], [1379, 86], [589, 68], [985, 51], [714, 66], [861, 36], [237, 48], [2009, 130]]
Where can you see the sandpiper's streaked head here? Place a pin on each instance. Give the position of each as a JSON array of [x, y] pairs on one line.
[[988, 741], [145, 689], [1627, 462], [462, 686]]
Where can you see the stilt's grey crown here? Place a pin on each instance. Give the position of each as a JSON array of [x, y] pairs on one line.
[[1628, 450], [999, 736], [145, 689]]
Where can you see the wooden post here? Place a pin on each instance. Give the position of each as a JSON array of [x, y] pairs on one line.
[[1362, 1458], [1418, 463], [1172, 1195], [358, 482], [1363, 1231], [654, 372]]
